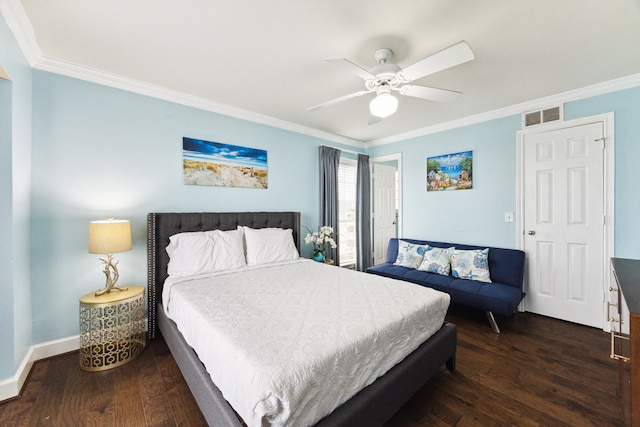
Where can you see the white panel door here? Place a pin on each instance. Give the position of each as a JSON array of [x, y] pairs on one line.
[[384, 210], [564, 223]]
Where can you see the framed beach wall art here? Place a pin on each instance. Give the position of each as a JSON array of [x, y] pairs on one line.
[[223, 165], [450, 172]]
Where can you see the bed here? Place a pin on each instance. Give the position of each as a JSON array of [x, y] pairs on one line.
[[373, 405]]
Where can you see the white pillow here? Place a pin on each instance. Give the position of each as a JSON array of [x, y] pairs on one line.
[[266, 245], [409, 254], [471, 264], [190, 253], [228, 249], [204, 252], [437, 260]]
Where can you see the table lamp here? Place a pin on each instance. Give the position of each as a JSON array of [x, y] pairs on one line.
[[108, 237]]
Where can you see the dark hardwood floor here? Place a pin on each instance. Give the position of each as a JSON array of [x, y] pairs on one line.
[[538, 372]]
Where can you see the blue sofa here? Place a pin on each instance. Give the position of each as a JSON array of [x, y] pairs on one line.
[[501, 296]]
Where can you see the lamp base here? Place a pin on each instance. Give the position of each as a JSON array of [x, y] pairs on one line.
[[111, 272], [107, 290]]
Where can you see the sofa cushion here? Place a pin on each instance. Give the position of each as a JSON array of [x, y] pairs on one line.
[[499, 298], [419, 277]]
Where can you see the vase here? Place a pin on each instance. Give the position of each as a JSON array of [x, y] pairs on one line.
[[318, 257]]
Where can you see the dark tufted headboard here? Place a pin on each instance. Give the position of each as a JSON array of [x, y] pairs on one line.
[[161, 226]]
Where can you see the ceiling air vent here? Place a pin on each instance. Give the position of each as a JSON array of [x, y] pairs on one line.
[[539, 117]]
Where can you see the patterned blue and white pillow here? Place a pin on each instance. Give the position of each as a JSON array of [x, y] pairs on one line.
[[409, 254], [437, 260], [473, 265]]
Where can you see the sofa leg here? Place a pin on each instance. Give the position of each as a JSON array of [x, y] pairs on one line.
[[492, 321]]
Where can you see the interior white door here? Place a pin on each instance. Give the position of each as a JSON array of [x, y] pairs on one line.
[[564, 223], [384, 210]]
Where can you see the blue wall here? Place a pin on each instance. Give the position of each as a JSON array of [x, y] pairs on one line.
[[6, 221], [15, 208], [474, 216], [477, 216], [99, 151]]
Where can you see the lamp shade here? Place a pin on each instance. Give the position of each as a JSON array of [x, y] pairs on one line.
[[383, 105], [109, 236]]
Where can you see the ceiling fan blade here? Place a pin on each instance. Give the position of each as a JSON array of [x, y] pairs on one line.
[[336, 100], [352, 68], [454, 55], [429, 93]]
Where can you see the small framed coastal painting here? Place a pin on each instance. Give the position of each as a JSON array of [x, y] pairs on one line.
[[450, 172], [223, 165]]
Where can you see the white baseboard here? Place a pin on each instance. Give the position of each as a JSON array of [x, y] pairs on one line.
[[56, 347], [11, 387]]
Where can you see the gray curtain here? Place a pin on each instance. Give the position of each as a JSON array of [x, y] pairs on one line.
[[363, 214], [329, 164]]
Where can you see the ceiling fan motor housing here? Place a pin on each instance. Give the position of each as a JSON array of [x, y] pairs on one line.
[[383, 55], [384, 70]]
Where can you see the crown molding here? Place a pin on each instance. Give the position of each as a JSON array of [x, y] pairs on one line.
[[21, 27], [19, 24], [627, 82], [80, 72]]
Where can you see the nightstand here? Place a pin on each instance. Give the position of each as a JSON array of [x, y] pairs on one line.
[[112, 328]]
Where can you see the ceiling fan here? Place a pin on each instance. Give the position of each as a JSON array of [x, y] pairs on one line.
[[386, 77]]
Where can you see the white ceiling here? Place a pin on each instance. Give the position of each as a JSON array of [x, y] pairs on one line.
[[265, 59]]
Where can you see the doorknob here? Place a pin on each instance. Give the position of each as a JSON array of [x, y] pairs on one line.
[[531, 232]]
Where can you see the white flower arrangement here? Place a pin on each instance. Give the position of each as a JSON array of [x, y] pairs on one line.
[[320, 239]]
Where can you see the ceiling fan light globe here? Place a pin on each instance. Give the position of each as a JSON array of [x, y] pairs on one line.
[[383, 105]]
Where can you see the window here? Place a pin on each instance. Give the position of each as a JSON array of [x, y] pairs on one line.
[[347, 175]]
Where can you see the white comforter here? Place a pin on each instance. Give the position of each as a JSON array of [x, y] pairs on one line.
[[288, 343]]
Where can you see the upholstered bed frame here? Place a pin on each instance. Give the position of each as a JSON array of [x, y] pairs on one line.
[[372, 406]]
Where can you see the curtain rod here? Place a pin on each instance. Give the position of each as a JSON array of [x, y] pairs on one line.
[[342, 149]]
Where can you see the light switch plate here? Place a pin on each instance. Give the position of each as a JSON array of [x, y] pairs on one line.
[[508, 217]]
